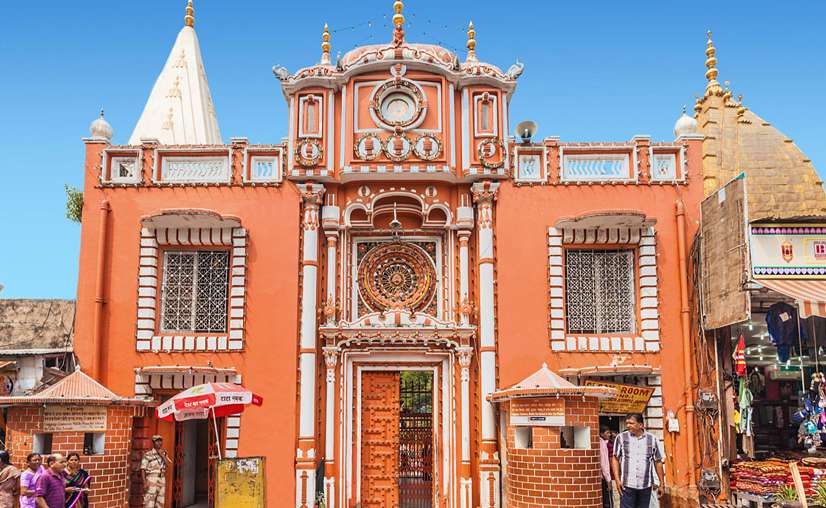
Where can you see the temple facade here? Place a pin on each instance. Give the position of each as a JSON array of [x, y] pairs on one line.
[[382, 273]]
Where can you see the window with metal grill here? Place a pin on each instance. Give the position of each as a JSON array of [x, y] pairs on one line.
[[599, 291], [194, 291]]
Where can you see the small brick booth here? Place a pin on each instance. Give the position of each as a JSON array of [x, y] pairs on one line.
[[77, 414], [551, 452]]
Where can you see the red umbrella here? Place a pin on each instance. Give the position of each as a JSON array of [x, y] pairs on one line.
[[198, 402]]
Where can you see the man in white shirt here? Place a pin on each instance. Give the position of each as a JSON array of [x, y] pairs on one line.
[[637, 454]]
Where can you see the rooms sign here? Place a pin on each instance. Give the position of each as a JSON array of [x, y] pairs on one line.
[[74, 419]]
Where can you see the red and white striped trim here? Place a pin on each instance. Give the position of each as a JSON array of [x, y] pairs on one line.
[[149, 289], [810, 294], [648, 338]]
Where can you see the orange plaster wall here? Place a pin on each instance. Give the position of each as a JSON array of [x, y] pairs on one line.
[[271, 216], [523, 215]]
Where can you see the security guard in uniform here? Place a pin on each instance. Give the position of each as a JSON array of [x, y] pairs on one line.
[[153, 472]]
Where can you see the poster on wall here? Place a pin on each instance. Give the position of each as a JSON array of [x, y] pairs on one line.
[[240, 483], [74, 419], [538, 412], [788, 251], [629, 398]]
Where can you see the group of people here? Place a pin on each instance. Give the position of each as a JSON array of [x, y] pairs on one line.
[[632, 461], [61, 483]]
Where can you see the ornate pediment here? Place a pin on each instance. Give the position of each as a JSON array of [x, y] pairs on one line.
[[398, 327]]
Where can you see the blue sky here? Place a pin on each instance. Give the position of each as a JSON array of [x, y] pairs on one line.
[[594, 71]]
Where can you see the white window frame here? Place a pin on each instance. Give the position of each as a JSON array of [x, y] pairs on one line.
[[193, 304], [631, 297]]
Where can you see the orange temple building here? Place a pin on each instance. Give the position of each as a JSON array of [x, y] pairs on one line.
[[382, 274]]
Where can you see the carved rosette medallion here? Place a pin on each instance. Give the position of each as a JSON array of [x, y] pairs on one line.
[[427, 147], [398, 104], [491, 153], [397, 276], [368, 147], [397, 147], [308, 152]]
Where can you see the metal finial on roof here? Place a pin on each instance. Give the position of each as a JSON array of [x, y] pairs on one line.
[[471, 42], [325, 45], [727, 93], [398, 22], [713, 86], [741, 109], [189, 19]]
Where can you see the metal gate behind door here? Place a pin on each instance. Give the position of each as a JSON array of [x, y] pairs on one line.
[[416, 439]]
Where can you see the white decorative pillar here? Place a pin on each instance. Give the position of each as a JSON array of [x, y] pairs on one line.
[[465, 354], [305, 454], [330, 360], [484, 194], [330, 216], [464, 221]]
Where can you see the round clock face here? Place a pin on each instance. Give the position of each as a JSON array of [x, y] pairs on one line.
[[398, 108]]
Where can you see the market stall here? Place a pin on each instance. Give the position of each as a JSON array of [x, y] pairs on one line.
[[775, 390]]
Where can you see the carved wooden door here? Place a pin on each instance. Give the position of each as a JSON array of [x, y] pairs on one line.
[[380, 439]]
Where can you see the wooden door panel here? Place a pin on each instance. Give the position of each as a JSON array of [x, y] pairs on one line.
[[379, 439]]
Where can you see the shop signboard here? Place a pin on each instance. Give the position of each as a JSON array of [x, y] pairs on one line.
[[240, 482], [74, 419], [788, 251], [538, 412], [629, 398]]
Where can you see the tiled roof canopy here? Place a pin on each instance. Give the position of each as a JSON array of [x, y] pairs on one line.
[[75, 388], [544, 383]]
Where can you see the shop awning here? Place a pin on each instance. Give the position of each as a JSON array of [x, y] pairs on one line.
[[611, 370], [809, 294]]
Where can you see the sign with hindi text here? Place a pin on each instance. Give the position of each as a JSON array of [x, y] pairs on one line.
[[539, 412], [629, 398], [74, 419]]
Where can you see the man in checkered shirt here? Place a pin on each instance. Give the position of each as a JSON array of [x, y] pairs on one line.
[[637, 454]]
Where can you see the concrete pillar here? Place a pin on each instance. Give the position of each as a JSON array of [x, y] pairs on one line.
[[484, 194], [306, 454]]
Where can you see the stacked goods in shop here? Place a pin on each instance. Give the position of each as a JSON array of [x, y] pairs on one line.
[[762, 478]]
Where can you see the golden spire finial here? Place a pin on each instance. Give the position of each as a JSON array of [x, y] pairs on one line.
[[471, 42], [713, 86], [727, 93], [398, 23], [189, 19], [741, 109], [325, 45]]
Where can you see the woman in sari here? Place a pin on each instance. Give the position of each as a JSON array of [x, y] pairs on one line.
[[9, 481], [78, 481]]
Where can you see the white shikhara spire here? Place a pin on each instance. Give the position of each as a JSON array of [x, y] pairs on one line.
[[180, 109]]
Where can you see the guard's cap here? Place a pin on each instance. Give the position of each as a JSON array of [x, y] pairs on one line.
[[157, 437]]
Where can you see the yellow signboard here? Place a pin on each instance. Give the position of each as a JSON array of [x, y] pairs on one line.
[[74, 419], [240, 483], [629, 398]]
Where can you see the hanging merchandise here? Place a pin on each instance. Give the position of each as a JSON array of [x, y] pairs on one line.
[[740, 357], [784, 330]]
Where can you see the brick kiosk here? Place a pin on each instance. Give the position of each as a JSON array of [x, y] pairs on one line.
[[551, 454], [77, 414]]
